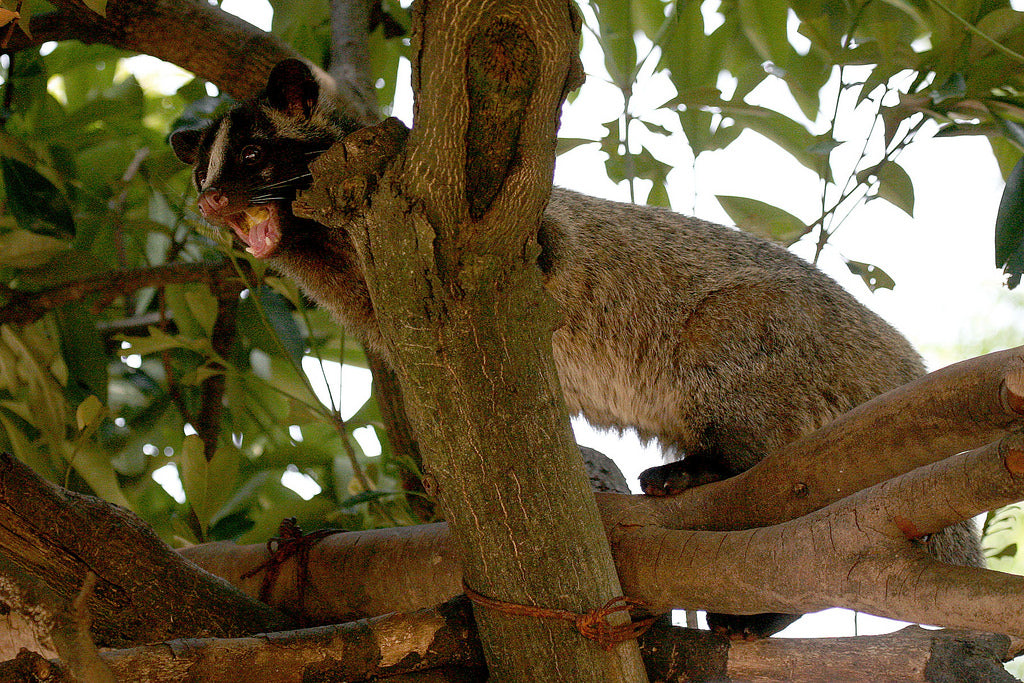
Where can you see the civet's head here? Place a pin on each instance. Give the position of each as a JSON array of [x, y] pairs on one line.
[[249, 163]]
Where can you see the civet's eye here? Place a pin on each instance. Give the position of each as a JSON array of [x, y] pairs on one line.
[[251, 154]]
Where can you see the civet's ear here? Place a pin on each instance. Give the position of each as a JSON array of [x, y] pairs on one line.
[[292, 89], [185, 143]]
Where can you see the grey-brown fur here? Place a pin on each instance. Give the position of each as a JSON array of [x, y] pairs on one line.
[[721, 346]]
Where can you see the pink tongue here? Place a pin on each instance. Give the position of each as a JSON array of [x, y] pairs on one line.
[[262, 239]]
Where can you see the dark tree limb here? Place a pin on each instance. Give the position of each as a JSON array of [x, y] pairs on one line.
[[219, 47], [953, 489], [26, 307], [421, 645], [197, 36], [350, 55], [59, 536]]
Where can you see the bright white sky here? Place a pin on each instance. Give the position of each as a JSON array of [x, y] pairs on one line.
[[947, 290]]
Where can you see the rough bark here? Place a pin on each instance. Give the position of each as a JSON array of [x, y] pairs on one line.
[[220, 47], [54, 537], [362, 650], [861, 549], [459, 298], [860, 553], [434, 644]]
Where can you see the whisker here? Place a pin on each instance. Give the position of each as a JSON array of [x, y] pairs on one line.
[[285, 182]]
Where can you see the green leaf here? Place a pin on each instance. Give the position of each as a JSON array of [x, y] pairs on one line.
[[873, 276], [158, 341], [281, 319], [364, 497], [763, 219], [24, 249], [787, 133], [89, 411], [97, 6], [563, 145], [24, 449], [894, 184], [1010, 227], [1006, 154], [208, 484], [615, 22], [84, 353], [35, 202], [764, 22], [203, 306], [94, 466], [649, 16]]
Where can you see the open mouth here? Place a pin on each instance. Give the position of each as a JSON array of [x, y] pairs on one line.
[[259, 227]]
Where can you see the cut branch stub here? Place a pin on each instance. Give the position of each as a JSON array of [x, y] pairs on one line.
[[346, 175]]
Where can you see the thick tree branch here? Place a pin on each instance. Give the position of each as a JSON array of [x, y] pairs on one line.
[[866, 532], [350, 55], [858, 555], [956, 408], [58, 536], [220, 47], [446, 636], [197, 36], [459, 300]]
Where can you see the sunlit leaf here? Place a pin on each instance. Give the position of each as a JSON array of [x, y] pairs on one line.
[[97, 6], [764, 22], [88, 412], [203, 306], [207, 484], [24, 249], [563, 145], [158, 340], [763, 219], [7, 16], [94, 466]]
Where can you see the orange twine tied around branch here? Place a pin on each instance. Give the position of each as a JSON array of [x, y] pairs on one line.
[[292, 542], [593, 624]]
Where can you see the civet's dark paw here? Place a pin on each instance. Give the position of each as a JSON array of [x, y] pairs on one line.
[[675, 477]]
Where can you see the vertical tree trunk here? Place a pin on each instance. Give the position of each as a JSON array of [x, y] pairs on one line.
[[449, 252]]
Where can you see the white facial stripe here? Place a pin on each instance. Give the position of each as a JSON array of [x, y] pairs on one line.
[[218, 153]]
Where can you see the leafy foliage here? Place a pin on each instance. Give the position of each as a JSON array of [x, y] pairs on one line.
[[958, 65], [106, 391]]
